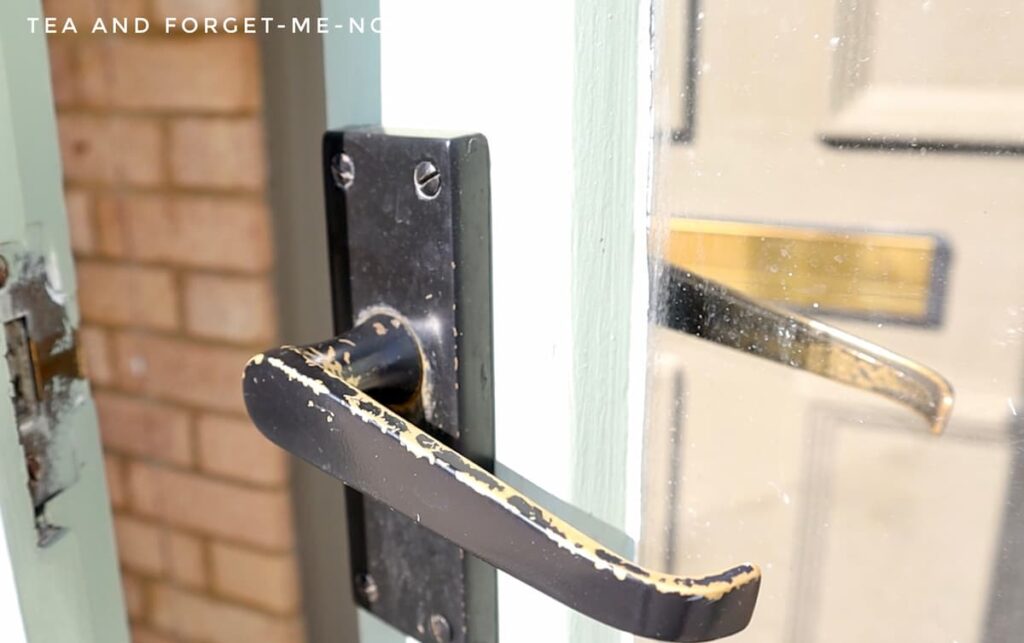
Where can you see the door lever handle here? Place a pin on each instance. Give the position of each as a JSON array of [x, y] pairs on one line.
[[328, 403], [707, 309], [336, 404]]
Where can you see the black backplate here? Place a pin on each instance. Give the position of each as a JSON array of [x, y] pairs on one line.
[[429, 261]]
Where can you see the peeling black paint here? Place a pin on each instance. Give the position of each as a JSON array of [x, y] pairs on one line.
[[481, 514], [529, 510], [608, 556], [458, 464], [725, 577]]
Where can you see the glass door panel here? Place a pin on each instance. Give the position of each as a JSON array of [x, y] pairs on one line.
[[858, 162]]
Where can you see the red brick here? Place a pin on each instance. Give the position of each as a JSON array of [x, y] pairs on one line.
[[140, 116], [92, 83], [138, 545], [127, 295], [85, 12], [194, 617], [113, 467], [219, 9], [269, 581], [156, 550], [209, 232], [214, 507], [134, 595], [62, 69], [112, 210], [186, 562], [110, 149], [83, 240], [233, 447], [144, 428], [231, 233], [97, 359], [225, 153], [236, 309], [142, 634], [195, 74], [181, 370]]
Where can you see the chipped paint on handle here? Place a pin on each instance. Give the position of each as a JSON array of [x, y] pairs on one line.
[[303, 400]]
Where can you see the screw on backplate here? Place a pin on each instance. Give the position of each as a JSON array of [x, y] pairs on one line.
[[343, 170], [367, 588], [427, 179], [4, 272], [440, 629]]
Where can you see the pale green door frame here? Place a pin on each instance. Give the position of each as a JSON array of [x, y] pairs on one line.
[[68, 590], [562, 91]]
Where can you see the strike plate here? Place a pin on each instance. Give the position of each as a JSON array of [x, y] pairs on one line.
[[408, 220]]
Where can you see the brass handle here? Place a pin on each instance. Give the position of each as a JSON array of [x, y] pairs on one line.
[[323, 403]]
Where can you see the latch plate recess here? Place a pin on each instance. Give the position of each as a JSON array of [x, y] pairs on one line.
[[43, 367]]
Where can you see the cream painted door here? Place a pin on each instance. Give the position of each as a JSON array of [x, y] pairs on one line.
[[868, 118]]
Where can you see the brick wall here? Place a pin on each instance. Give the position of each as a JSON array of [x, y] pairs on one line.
[[165, 169]]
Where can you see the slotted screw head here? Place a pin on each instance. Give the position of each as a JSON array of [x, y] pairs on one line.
[[367, 587], [343, 170], [427, 180], [440, 629]]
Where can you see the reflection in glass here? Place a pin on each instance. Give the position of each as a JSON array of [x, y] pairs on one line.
[[889, 134]]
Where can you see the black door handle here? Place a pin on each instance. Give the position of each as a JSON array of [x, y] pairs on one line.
[[323, 403]]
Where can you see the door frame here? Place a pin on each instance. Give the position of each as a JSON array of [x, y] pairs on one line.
[[69, 589]]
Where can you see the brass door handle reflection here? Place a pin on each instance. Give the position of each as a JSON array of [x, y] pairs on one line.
[[323, 403], [698, 306]]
